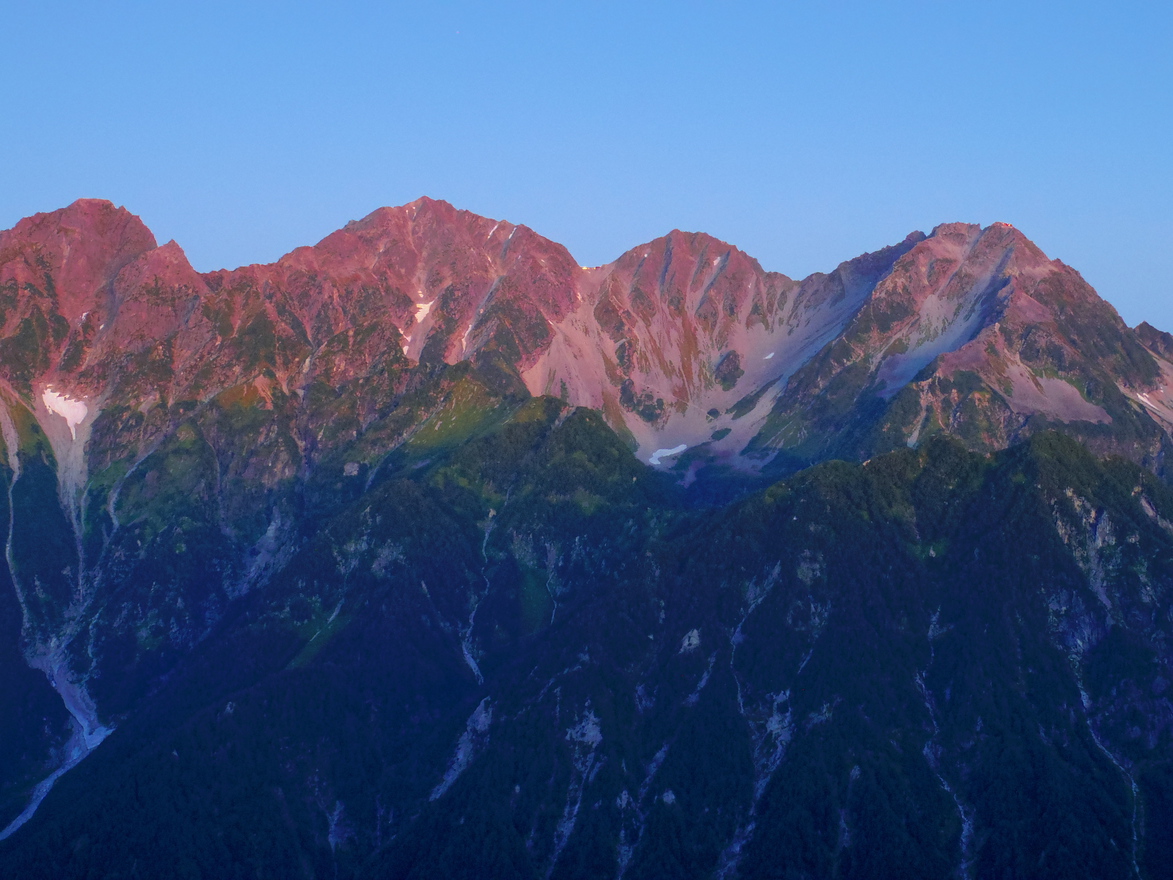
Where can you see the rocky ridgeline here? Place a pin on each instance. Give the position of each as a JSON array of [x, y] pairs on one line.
[[413, 442], [684, 341]]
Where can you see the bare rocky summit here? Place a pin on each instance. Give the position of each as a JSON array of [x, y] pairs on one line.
[[685, 341]]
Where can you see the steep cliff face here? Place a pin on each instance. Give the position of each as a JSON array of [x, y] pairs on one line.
[[683, 338], [683, 342], [529, 658], [975, 333], [450, 284], [94, 310], [691, 349]]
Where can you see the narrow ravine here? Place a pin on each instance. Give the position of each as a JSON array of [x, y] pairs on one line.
[[627, 847], [1087, 703], [932, 754], [83, 741], [466, 645], [770, 738], [39, 792], [88, 732], [932, 751], [584, 737]]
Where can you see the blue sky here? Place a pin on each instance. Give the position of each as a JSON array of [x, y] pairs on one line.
[[803, 133]]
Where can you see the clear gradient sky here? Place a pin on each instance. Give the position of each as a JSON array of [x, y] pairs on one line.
[[804, 133]]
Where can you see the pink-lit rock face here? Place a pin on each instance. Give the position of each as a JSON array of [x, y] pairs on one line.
[[687, 337], [81, 249], [92, 307], [449, 282], [975, 333], [685, 341]]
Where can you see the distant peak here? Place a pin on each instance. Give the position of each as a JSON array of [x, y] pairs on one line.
[[95, 204], [99, 217], [944, 230], [88, 212], [168, 254], [680, 242], [997, 236], [167, 263], [423, 208], [698, 239], [429, 202]]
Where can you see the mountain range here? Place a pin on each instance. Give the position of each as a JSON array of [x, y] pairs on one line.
[[425, 551]]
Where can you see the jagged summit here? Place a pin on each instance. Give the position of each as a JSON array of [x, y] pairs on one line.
[[684, 343], [81, 248]]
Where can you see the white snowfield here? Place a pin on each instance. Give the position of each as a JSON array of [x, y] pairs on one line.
[[73, 411], [666, 453]]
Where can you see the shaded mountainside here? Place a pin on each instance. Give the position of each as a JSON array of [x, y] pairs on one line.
[[353, 564], [529, 659]]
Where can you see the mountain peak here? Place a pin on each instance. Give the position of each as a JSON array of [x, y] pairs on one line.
[[95, 219], [166, 265], [421, 208], [427, 203], [956, 228], [82, 247], [682, 341]]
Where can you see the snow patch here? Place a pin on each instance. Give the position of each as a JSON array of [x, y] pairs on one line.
[[665, 453], [12, 447], [73, 411]]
